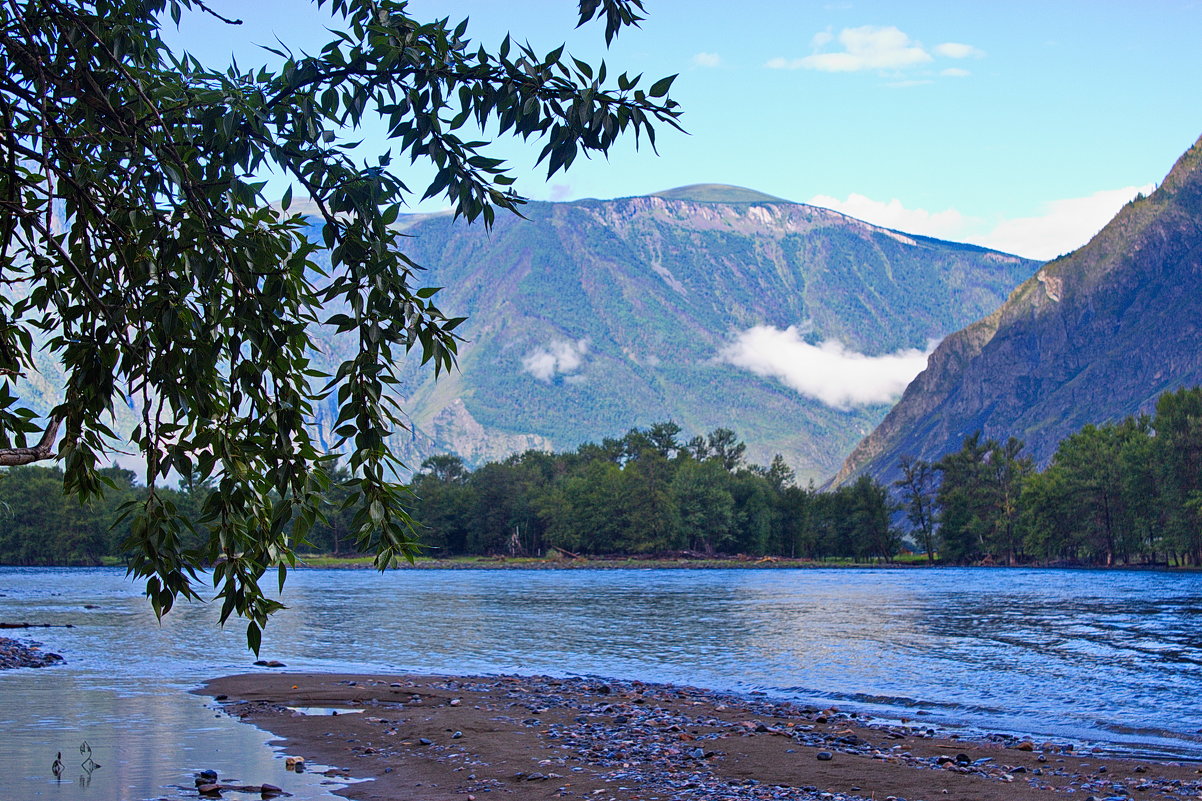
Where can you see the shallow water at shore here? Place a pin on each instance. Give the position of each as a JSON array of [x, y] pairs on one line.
[[1097, 656]]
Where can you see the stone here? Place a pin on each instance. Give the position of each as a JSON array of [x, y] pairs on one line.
[[825, 756], [1025, 745]]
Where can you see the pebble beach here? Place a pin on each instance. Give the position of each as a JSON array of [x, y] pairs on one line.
[[472, 738]]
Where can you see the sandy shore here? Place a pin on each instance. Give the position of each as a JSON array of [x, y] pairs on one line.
[[440, 738]]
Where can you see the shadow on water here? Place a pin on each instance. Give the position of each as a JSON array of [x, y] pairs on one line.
[[1107, 657]]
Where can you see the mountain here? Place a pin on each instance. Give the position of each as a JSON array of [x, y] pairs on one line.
[[717, 193], [1093, 336], [591, 317]]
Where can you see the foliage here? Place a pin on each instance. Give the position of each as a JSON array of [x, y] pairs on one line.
[[916, 485], [1121, 493], [136, 242], [646, 493], [40, 525]]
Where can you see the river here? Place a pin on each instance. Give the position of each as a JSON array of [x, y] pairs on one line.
[[1108, 658]]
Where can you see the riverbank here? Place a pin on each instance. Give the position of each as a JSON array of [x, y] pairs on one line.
[[601, 563], [444, 738]]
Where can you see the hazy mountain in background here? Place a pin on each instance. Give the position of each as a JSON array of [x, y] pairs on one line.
[[591, 317], [710, 305], [1093, 336]]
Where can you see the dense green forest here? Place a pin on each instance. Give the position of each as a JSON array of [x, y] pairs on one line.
[[1121, 493]]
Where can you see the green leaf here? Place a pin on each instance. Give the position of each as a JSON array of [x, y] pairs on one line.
[[254, 637], [661, 87]]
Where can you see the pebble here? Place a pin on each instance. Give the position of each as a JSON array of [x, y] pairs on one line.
[[14, 654], [825, 756]]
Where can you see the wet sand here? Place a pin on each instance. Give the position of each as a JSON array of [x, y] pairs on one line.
[[440, 738]]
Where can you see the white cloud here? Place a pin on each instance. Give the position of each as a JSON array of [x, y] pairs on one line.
[[947, 224], [1061, 226], [560, 357], [1064, 225], [828, 372], [869, 48], [958, 50], [873, 47], [954, 72], [707, 60]]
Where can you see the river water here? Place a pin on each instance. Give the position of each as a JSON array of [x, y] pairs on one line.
[[1109, 658]]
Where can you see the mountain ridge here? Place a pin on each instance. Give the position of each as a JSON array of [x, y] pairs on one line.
[[645, 292], [591, 317], [1071, 345]]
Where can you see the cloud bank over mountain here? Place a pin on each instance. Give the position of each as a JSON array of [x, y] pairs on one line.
[[828, 371]]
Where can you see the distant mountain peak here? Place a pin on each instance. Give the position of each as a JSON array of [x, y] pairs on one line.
[[717, 193]]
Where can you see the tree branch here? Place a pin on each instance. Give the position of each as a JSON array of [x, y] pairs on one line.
[[14, 457]]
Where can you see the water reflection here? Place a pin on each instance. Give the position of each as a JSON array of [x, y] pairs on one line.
[[1101, 656]]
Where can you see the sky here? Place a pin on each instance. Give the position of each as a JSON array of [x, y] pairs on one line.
[[1018, 125]]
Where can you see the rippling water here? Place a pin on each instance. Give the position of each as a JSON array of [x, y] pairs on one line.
[[1105, 657]]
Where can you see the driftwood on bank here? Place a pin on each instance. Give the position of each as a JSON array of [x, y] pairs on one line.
[[37, 625]]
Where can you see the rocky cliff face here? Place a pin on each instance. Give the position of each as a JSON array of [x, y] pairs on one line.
[[1091, 337], [591, 317]]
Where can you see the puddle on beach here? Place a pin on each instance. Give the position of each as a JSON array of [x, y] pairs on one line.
[[324, 710]]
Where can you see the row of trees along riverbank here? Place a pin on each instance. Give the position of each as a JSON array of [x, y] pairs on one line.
[[1122, 493]]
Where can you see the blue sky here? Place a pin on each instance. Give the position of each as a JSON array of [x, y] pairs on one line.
[[1019, 125]]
